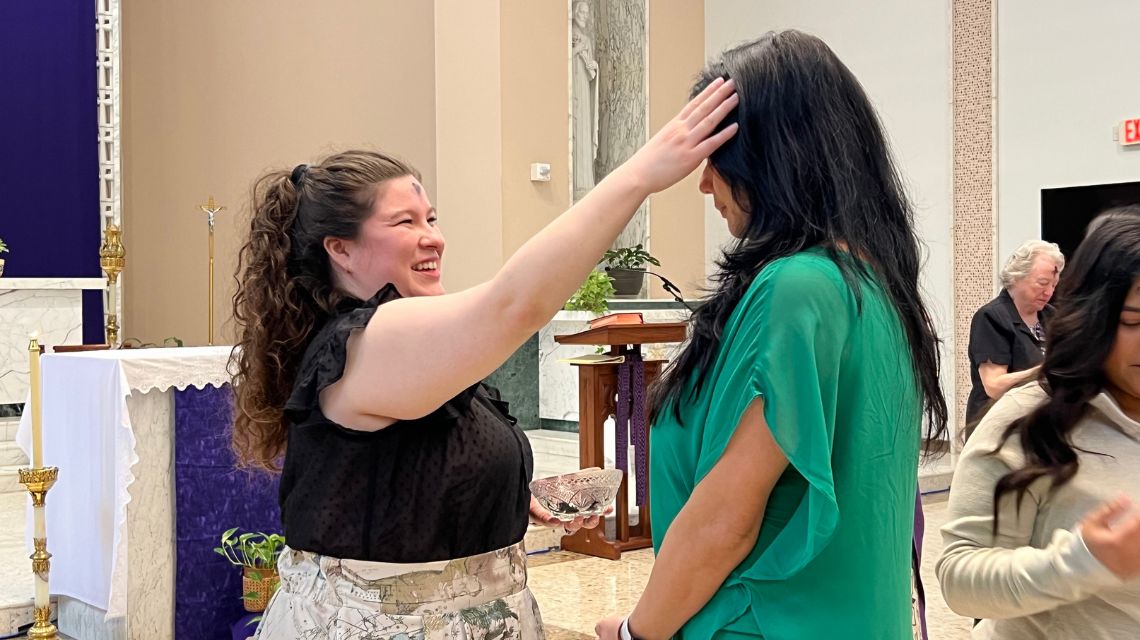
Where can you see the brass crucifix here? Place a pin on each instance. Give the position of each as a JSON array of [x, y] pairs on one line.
[[211, 209]]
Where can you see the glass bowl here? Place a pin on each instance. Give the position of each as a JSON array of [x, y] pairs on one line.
[[581, 493]]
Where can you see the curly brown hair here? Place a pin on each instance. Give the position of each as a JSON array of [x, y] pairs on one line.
[[285, 290]]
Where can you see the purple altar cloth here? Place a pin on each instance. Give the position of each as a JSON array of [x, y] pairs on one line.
[[211, 497]]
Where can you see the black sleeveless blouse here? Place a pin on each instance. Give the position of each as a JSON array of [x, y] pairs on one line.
[[449, 485]]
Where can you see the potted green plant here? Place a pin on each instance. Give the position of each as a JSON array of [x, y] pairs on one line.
[[627, 265], [256, 554], [593, 293], [3, 249]]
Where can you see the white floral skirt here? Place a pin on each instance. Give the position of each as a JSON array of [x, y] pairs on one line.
[[481, 597]]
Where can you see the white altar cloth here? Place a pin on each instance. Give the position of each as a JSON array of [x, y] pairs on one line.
[[89, 435]]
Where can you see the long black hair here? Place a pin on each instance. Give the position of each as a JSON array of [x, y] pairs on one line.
[[1081, 334], [811, 166]]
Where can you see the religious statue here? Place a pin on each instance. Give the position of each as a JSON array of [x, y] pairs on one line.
[[584, 95]]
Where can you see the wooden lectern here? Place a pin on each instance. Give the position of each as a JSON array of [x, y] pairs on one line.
[[597, 391]]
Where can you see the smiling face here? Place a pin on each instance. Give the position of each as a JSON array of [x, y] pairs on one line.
[[712, 184], [399, 243], [1122, 367]]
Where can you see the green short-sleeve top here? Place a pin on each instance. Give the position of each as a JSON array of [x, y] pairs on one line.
[[843, 404]]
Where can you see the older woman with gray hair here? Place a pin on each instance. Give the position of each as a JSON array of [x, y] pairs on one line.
[[1007, 335]]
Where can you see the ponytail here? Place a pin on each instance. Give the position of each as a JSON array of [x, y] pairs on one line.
[[275, 323]]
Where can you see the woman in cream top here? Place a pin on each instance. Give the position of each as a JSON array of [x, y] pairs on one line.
[[1059, 557]]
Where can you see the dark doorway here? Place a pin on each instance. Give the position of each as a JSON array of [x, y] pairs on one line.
[[1065, 212]]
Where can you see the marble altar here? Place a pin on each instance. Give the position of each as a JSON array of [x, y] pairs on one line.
[[109, 425], [51, 306]]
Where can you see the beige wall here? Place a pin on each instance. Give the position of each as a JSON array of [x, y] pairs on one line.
[[535, 117], [469, 139], [676, 216], [503, 103], [535, 126], [215, 92], [471, 92]]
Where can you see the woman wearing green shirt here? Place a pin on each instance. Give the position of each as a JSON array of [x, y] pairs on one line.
[[786, 435]]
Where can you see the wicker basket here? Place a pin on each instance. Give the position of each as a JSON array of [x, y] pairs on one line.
[[264, 588]]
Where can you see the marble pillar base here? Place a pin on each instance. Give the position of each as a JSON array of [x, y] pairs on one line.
[[81, 620], [151, 564], [150, 531], [517, 381], [558, 381]]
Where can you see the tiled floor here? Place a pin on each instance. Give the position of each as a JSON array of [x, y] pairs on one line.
[[16, 584], [15, 567], [942, 623], [575, 591]]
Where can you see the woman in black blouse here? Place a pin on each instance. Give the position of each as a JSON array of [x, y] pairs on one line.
[[1007, 335], [404, 491]]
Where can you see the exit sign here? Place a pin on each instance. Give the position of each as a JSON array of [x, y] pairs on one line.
[[1130, 132]]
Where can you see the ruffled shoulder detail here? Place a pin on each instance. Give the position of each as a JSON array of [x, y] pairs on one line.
[[324, 360]]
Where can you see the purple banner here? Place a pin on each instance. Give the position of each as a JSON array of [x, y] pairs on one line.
[[50, 167], [919, 530], [212, 496], [630, 422]]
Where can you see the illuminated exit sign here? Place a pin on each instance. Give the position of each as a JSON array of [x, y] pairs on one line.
[[1130, 132]]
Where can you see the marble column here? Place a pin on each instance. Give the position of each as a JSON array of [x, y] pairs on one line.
[[618, 30], [972, 53], [622, 96]]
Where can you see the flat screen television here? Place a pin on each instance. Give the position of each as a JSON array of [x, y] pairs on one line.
[[1066, 211]]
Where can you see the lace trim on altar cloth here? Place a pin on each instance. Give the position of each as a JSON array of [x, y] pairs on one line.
[[208, 367]]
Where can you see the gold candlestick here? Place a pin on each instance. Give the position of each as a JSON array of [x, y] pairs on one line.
[[211, 209], [113, 259], [38, 480]]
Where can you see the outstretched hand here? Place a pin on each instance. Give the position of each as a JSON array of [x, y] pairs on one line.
[[686, 140], [609, 628], [540, 515]]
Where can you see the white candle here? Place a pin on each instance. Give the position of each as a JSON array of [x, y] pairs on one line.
[[41, 526], [40, 534], [42, 599], [36, 401]]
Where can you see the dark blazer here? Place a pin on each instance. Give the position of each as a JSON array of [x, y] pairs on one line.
[[998, 335]]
